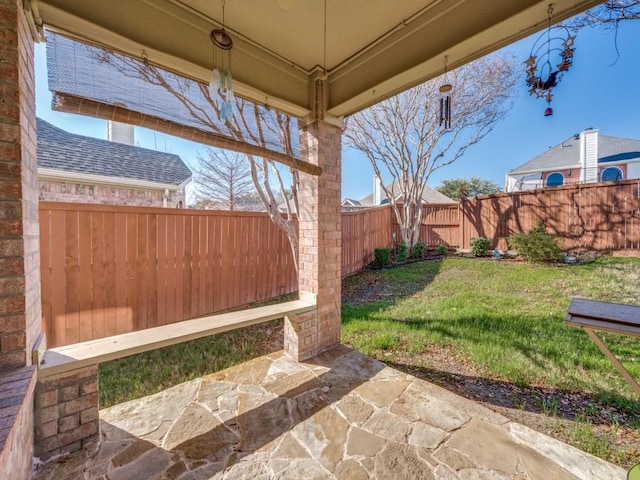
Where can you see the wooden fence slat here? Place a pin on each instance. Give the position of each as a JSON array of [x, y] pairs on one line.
[[186, 268], [161, 255], [72, 317], [211, 264], [98, 290], [124, 311], [202, 294], [132, 270], [56, 332], [172, 275], [152, 271], [45, 273], [217, 265], [195, 267], [238, 247], [227, 266], [141, 279], [110, 275]]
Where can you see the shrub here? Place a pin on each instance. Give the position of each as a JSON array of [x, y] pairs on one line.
[[382, 256], [537, 246], [442, 250], [402, 253], [479, 246], [418, 250]]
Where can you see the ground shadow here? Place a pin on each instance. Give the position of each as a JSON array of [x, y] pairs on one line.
[[389, 286], [202, 442], [552, 402]]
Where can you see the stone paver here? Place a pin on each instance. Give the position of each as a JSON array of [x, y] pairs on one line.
[[339, 416]]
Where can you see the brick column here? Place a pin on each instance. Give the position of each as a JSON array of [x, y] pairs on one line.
[[66, 412], [319, 227], [20, 309]]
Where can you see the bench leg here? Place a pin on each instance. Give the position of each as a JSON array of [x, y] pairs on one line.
[[301, 335], [616, 363]]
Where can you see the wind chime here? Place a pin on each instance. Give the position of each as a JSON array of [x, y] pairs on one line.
[[542, 78], [445, 100], [221, 84]]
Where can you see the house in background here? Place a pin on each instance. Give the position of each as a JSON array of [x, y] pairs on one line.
[[583, 158], [379, 197], [79, 169]]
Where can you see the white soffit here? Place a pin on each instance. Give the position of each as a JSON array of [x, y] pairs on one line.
[[374, 48]]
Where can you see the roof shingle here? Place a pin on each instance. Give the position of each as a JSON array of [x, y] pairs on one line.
[[429, 195], [61, 150], [567, 154]]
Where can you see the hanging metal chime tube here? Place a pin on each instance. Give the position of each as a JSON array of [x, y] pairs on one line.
[[445, 106]]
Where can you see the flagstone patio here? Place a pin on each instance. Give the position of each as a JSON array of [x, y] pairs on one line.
[[339, 416]]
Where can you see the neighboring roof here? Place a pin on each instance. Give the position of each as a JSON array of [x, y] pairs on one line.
[[61, 150], [429, 195], [351, 202], [567, 154]]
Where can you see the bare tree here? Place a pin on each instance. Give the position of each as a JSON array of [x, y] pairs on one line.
[[405, 138], [250, 123], [223, 177], [608, 14]]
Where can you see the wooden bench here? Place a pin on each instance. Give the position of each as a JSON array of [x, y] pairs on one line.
[[70, 357], [595, 316]]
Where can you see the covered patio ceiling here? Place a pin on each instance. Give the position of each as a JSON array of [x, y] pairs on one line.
[[374, 48]]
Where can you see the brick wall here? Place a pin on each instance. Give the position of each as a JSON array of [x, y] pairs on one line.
[[66, 418], [20, 317], [57, 191], [19, 246], [16, 421]]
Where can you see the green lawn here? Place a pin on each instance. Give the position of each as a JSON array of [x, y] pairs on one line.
[[504, 317], [501, 319], [504, 322]]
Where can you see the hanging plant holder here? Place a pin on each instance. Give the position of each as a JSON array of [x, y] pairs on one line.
[[550, 58]]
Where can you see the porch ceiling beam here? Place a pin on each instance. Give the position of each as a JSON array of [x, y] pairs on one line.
[[415, 53], [380, 61], [258, 76]]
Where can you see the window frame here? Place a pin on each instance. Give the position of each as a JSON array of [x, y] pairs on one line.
[[612, 167], [546, 180]]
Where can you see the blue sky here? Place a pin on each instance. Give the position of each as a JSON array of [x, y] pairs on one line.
[[601, 91]]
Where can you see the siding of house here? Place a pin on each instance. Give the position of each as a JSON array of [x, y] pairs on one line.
[[56, 191], [633, 170]]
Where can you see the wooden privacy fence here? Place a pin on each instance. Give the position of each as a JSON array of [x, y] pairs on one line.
[[108, 270], [362, 232], [602, 216], [440, 224]]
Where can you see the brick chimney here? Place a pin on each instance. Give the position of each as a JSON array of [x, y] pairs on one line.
[[377, 190], [120, 132]]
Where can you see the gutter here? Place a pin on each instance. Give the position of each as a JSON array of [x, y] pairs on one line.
[[61, 175], [542, 170]]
